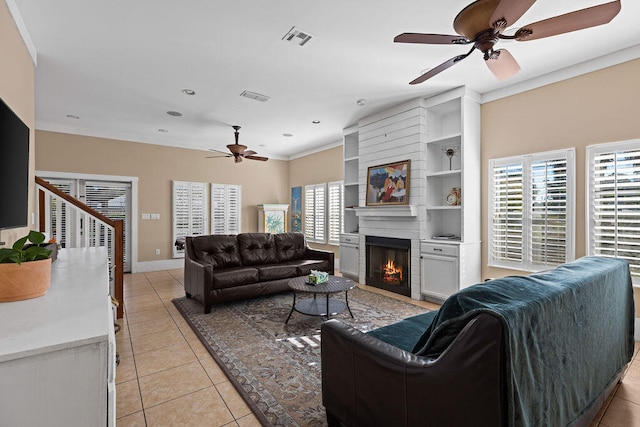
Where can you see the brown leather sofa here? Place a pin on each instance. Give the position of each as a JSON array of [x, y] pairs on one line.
[[229, 267], [545, 349]]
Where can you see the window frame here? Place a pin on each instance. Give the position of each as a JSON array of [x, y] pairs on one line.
[[591, 152], [527, 161]]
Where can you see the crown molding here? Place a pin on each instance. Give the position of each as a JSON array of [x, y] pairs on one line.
[[22, 28]]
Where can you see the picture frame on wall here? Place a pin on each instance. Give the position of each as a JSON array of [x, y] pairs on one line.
[[388, 184]]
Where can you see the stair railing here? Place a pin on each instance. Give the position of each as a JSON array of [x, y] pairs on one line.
[[90, 229]]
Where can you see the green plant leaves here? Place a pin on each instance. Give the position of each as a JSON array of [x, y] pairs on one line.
[[19, 254]]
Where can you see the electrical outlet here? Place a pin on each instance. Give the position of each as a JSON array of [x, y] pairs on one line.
[[157, 251]]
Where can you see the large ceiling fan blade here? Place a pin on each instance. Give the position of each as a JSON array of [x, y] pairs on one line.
[[249, 153], [508, 12], [440, 68], [502, 64], [430, 39], [573, 21], [262, 159], [219, 157], [221, 152]]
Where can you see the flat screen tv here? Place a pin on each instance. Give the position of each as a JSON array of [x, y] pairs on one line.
[[14, 169]]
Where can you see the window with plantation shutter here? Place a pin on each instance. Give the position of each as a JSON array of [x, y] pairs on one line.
[[335, 208], [613, 211], [189, 211], [314, 213], [531, 210], [226, 208]]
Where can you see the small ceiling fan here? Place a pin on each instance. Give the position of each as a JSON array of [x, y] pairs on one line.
[[484, 21], [238, 151]]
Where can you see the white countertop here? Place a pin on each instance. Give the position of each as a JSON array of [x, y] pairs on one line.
[[74, 311]]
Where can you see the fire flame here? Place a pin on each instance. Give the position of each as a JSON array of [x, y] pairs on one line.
[[391, 272]]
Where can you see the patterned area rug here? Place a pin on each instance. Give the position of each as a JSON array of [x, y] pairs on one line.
[[276, 367]]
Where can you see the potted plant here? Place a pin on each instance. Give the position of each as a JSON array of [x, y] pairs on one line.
[[25, 270]]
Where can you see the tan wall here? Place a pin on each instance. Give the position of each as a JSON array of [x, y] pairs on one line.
[[595, 108], [156, 166], [17, 91], [318, 168]]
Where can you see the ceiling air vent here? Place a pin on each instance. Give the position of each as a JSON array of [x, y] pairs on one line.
[[297, 36], [256, 96]]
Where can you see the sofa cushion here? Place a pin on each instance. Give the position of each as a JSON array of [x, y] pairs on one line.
[[406, 333], [257, 248], [276, 271], [221, 251], [306, 265], [290, 246], [237, 276]]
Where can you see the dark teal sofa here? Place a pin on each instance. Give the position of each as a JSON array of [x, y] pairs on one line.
[[541, 350]]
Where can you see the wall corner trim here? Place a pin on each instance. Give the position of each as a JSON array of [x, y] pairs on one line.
[[22, 28]]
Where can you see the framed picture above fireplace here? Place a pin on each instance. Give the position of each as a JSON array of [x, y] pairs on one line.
[[388, 184]]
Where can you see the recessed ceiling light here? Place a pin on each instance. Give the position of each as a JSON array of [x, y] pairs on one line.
[[288, 135], [188, 91], [163, 130], [361, 102], [316, 122], [71, 116], [174, 113]]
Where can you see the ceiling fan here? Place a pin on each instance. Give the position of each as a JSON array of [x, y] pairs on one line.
[[238, 151], [483, 22]]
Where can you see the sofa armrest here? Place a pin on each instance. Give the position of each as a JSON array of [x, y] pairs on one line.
[[198, 278], [311, 253], [366, 381]]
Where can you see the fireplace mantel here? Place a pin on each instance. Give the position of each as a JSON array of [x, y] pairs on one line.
[[382, 212]]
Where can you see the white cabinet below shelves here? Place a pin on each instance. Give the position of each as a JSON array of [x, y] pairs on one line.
[[57, 352], [445, 268], [350, 255]]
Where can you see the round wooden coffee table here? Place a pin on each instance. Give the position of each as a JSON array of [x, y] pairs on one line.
[[326, 306]]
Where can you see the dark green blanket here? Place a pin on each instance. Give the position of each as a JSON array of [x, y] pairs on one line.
[[568, 331]]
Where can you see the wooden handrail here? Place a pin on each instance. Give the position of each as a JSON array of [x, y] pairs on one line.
[[117, 225]]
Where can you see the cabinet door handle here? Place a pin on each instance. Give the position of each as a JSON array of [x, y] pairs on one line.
[[437, 249]]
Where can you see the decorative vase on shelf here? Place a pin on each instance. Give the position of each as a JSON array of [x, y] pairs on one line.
[[25, 271]]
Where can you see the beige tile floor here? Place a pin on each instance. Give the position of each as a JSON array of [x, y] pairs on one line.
[[166, 377]]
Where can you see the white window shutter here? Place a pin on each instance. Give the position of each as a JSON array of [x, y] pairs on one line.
[[226, 208], [336, 204], [614, 202], [532, 210], [189, 211], [315, 213]]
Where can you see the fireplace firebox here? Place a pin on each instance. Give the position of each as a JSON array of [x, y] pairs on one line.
[[387, 264]]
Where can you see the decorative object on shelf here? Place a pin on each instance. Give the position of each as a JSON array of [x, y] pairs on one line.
[[388, 184], [453, 198], [296, 209], [25, 270], [450, 152]]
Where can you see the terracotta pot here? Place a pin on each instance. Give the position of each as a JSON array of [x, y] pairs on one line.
[[27, 280]]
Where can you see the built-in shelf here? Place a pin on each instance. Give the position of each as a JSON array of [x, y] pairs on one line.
[[444, 173], [444, 208], [446, 139]]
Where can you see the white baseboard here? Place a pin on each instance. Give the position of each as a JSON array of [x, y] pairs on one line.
[[165, 264]]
